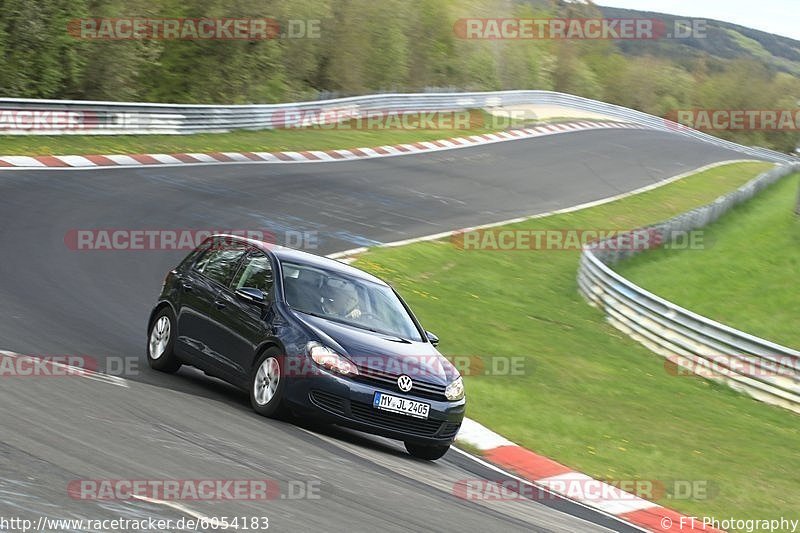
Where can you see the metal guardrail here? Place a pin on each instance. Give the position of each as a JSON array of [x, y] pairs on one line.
[[57, 117], [765, 370]]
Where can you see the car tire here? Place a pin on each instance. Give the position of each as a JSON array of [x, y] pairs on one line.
[[161, 342], [425, 451], [267, 383]]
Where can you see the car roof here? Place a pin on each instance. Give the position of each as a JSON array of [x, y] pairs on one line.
[[292, 255]]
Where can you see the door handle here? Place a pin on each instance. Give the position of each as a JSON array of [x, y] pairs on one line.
[[187, 286], [219, 304]]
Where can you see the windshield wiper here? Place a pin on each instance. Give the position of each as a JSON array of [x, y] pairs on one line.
[[310, 313], [397, 338]]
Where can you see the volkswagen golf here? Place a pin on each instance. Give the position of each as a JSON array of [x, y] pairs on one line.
[[307, 335]]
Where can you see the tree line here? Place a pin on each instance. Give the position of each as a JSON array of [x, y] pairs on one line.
[[364, 46]]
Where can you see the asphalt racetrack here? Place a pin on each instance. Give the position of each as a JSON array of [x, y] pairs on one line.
[[56, 300]]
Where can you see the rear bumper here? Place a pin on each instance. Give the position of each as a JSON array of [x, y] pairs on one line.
[[337, 400]]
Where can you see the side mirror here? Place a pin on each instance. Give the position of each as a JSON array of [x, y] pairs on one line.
[[433, 338], [252, 295]]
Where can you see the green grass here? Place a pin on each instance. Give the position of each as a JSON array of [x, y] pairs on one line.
[[748, 272], [242, 141], [590, 397]]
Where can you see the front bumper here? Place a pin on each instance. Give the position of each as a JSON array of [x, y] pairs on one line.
[[331, 398]]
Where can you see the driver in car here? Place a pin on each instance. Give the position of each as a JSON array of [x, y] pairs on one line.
[[340, 300]]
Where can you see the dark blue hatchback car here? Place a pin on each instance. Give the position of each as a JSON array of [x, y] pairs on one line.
[[310, 335]]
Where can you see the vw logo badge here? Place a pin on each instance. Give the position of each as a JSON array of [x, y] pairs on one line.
[[405, 383]]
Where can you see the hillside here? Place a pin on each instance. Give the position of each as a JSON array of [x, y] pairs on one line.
[[723, 40]]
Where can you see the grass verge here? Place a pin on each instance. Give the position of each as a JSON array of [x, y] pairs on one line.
[[277, 140], [589, 396], [751, 257]]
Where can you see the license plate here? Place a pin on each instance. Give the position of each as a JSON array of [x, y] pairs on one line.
[[404, 406]]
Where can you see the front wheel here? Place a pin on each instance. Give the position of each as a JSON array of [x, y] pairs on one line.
[[267, 383], [161, 341], [427, 452]]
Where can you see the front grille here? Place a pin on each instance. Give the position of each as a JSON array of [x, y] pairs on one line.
[[407, 424], [328, 401], [389, 381]]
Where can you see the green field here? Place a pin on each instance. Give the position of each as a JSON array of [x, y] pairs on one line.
[[589, 396], [748, 273], [277, 140]]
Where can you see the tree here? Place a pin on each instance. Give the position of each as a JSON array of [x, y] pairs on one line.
[[40, 59]]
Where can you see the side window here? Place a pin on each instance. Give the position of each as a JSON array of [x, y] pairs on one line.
[[256, 273], [220, 262]]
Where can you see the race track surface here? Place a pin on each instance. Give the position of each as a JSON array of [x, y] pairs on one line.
[[60, 301]]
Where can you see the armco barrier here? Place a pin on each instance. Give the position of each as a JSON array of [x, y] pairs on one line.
[[56, 117], [763, 369]]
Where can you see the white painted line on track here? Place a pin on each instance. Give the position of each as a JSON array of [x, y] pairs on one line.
[[579, 207], [74, 371], [178, 507]]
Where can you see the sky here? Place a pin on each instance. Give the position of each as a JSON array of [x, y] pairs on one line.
[[774, 16]]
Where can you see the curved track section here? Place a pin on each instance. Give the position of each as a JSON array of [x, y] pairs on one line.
[[60, 301]]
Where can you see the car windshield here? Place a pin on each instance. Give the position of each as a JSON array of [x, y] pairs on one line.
[[346, 299]]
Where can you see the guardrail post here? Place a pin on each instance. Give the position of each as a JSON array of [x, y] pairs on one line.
[[797, 207]]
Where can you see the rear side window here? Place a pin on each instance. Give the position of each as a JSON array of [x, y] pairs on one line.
[[219, 262]]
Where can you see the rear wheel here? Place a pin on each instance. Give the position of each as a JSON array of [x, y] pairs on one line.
[[267, 384], [161, 340], [425, 451]]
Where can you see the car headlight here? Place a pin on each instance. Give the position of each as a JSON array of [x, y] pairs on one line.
[[455, 391], [330, 360]]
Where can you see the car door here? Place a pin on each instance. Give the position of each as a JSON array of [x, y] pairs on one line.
[[241, 322], [200, 287]]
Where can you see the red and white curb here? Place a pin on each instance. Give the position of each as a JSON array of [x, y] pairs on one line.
[[562, 480], [8, 162]]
